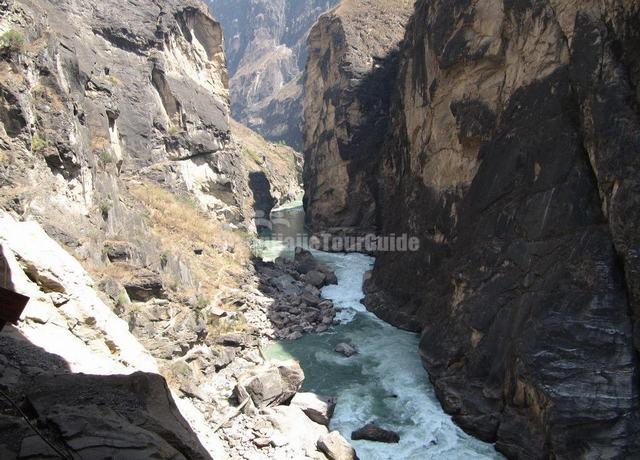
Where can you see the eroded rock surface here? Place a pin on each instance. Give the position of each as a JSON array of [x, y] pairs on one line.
[[348, 84], [265, 42], [510, 154]]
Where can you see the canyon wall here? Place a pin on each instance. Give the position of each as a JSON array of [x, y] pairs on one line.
[[511, 151], [265, 42], [348, 85], [116, 148]]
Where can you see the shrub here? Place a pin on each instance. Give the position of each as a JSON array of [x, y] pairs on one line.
[[105, 157], [202, 303], [38, 144], [105, 207], [123, 299], [164, 259], [12, 41]]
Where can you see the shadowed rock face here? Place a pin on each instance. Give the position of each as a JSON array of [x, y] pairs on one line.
[[348, 84], [265, 42], [510, 153]]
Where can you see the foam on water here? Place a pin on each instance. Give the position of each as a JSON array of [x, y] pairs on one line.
[[385, 382]]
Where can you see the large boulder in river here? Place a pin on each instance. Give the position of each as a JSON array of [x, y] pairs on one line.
[[270, 384], [317, 408], [346, 350], [335, 447], [306, 263], [372, 432]]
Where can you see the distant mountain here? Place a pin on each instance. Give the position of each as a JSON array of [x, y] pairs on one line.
[[265, 42]]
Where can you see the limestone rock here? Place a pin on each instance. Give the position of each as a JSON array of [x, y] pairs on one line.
[[300, 431], [317, 408], [372, 432], [266, 51], [346, 350], [132, 416], [350, 77], [335, 447], [270, 384], [144, 286]]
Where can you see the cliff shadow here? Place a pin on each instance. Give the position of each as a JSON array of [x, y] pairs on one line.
[[263, 200], [49, 412]]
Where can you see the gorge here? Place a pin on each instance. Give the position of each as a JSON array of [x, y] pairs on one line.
[[145, 219]]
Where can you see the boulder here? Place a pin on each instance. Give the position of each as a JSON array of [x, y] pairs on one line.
[[372, 432], [135, 413], [310, 298], [232, 340], [270, 384], [306, 263], [317, 408], [315, 278], [144, 286], [300, 432], [285, 284], [335, 447], [346, 350]]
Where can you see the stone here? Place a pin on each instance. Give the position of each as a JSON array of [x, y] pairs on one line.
[[144, 286], [299, 431], [346, 350], [270, 384], [286, 284], [310, 298], [315, 278], [335, 447], [232, 340], [117, 251], [135, 414], [318, 408], [261, 443], [372, 432]]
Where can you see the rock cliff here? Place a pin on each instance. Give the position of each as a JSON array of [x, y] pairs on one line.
[[512, 153], [348, 82], [265, 42], [127, 205]]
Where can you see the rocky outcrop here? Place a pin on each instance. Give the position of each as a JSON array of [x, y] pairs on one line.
[[335, 447], [372, 432], [116, 144], [510, 155], [265, 42], [65, 334], [348, 83]]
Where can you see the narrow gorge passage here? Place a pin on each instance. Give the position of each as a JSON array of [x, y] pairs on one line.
[[385, 382]]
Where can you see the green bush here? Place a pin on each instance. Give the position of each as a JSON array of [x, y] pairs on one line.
[[105, 157], [12, 41], [38, 143], [105, 208]]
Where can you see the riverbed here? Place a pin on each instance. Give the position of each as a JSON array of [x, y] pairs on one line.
[[385, 382]]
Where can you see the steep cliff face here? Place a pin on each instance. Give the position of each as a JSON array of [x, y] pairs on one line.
[[265, 43], [512, 154], [116, 143], [348, 83]]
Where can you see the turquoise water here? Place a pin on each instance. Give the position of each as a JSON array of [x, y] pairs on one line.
[[385, 382]]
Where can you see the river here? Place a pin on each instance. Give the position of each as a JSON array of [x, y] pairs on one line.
[[385, 382]]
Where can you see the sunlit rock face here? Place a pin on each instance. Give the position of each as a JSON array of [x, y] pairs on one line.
[[511, 153], [265, 42], [349, 80]]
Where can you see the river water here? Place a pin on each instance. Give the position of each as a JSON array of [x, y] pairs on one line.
[[385, 382]]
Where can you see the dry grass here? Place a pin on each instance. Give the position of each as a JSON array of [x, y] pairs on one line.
[[279, 157], [181, 226]]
